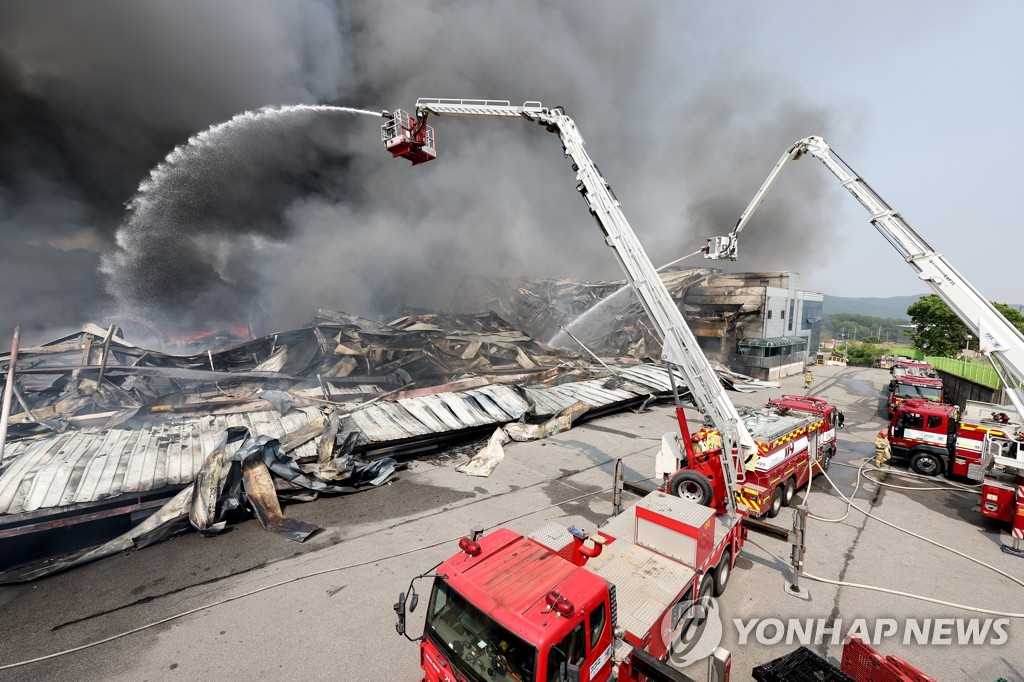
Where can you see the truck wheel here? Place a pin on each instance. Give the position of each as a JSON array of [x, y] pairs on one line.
[[926, 464], [788, 492], [776, 504], [722, 573], [690, 485], [703, 596]]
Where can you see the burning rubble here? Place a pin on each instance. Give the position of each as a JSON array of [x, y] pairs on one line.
[[103, 428], [607, 317]]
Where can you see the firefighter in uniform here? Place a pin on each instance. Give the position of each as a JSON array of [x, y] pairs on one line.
[[808, 379], [883, 451]]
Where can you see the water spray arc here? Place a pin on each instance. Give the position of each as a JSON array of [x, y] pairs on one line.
[[188, 233], [209, 138], [562, 339]]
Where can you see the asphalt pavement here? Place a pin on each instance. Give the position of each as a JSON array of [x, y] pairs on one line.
[[260, 607]]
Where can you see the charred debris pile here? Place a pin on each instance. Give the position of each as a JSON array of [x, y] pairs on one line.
[[720, 308], [103, 429]]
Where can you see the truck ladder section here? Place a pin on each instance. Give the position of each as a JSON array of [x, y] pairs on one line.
[[999, 340], [679, 345]]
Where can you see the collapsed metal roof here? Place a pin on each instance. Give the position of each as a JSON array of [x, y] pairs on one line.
[[77, 467], [107, 427]]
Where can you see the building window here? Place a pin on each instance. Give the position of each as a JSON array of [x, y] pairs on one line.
[[812, 314], [769, 314]]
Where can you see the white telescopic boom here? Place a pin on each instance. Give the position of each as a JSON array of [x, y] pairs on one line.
[[999, 340], [679, 345]]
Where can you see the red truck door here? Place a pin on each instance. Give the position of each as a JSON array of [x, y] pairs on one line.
[[571, 650], [813, 442], [588, 646], [922, 433], [906, 430], [599, 638]]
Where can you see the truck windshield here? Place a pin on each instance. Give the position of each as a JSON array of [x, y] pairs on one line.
[[933, 393], [474, 643]]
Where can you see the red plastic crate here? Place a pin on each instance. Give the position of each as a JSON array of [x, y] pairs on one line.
[[864, 664]]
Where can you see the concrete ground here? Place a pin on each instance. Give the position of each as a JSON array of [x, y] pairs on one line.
[[327, 614]]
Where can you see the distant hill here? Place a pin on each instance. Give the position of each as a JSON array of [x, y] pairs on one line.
[[892, 308]]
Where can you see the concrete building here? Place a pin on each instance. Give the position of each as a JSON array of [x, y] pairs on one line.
[[756, 323]]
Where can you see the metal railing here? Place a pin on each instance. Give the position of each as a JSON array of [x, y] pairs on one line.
[[454, 101], [399, 127], [472, 103]]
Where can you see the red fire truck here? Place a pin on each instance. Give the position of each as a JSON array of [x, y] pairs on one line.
[[786, 431], [923, 434], [913, 386], [1002, 494], [989, 449], [563, 605], [982, 444], [934, 438], [912, 367]]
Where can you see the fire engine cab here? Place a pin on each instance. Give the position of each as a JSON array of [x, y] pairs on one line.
[[923, 434], [913, 368], [913, 386], [561, 605], [935, 438]]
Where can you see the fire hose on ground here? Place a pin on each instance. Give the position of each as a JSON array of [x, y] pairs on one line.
[[850, 505]]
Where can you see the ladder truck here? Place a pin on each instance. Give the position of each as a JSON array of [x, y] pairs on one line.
[[561, 604], [999, 341], [409, 136]]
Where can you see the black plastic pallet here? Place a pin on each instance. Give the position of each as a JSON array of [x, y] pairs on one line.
[[802, 665]]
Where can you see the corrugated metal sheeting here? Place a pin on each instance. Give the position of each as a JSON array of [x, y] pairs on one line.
[[434, 414], [77, 467], [497, 404]]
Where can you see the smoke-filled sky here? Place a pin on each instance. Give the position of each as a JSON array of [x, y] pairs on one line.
[[686, 106]]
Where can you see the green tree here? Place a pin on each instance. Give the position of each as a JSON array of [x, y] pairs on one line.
[[938, 330], [864, 354], [1012, 315]]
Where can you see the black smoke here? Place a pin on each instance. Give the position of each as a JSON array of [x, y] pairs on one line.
[[305, 210]]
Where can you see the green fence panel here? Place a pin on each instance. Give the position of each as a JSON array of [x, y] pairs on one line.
[[979, 374]]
